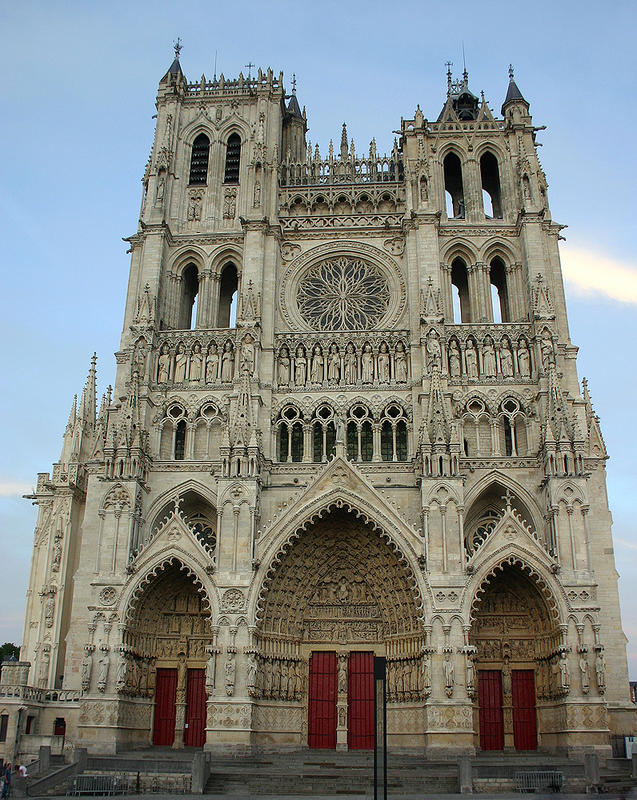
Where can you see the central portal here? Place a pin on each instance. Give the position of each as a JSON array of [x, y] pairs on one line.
[[340, 596]]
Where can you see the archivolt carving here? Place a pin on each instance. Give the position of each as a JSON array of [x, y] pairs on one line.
[[314, 587]]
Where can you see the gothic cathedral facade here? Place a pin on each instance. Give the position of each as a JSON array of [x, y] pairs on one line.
[[346, 423]]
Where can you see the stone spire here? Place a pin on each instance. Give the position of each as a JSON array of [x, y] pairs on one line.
[[67, 445], [88, 404], [344, 143], [514, 100]]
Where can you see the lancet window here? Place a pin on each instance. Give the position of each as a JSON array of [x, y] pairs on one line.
[[460, 291], [228, 286], [454, 190], [360, 434], [199, 160], [495, 434], [490, 176], [188, 301], [290, 434], [233, 159], [499, 291], [323, 433], [173, 434], [393, 434]]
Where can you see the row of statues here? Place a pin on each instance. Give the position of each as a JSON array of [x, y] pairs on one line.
[[487, 360], [210, 367], [333, 366]]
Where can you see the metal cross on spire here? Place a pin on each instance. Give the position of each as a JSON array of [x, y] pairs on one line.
[[511, 71], [177, 46], [448, 64], [294, 83], [249, 67]]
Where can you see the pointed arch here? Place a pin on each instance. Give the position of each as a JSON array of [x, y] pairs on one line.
[[496, 476]]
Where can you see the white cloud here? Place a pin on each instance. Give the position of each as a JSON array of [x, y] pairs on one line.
[[14, 488], [588, 272]]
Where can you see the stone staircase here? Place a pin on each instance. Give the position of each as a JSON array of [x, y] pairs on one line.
[[326, 772]]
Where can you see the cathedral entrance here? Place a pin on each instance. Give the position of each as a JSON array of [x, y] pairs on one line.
[[340, 596], [513, 631], [165, 656]]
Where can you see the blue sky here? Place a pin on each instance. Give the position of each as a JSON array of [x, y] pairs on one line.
[[78, 97]]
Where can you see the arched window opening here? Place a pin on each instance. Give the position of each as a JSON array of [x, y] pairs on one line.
[[490, 175], [180, 440], [290, 427], [228, 285], [460, 281], [508, 438], [233, 158], [323, 434], [189, 292], [499, 292], [360, 436], [487, 510], [453, 185], [393, 434], [199, 160]]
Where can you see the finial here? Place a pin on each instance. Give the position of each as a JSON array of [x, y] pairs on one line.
[[465, 74], [448, 64], [249, 68], [507, 497], [177, 45], [294, 83], [511, 72]]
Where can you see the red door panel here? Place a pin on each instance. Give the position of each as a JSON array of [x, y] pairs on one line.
[[165, 693], [360, 701], [490, 709], [322, 701], [195, 733], [524, 720]]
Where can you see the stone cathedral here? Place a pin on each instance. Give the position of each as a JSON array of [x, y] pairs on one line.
[[346, 423]]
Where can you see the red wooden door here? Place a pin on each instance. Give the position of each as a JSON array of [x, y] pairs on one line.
[[165, 693], [195, 733], [322, 701], [524, 721], [490, 709], [360, 701]]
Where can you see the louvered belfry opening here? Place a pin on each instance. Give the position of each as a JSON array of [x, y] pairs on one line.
[[199, 160], [233, 159]]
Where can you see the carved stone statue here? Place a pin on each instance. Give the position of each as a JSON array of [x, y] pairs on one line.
[[194, 207], [230, 669], [524, 359], [342, 674], [181, 364], [383, 364], [454, 359], [43, 669], [434, 353], [257, 195], [367, 364], [300, 367], [252, 674], [57, 554], [471, 676], [86, 669], [425, 674], [333, 366], [120, 681], [230, 204], [163, 365], [247, 355], [585, 673], [212, 363], [565, 680], [506, 360], [506, 679], [400, 363], [49, 610], [600, 671], [103, 664], [196, 363], [316, 374], [488, 358], [471, 359], [350, 371], [448, 672], [227, 363], [211, 664], [283, 371], [546, 348]]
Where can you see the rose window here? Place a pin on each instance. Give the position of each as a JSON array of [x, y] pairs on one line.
[[343, 294]]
